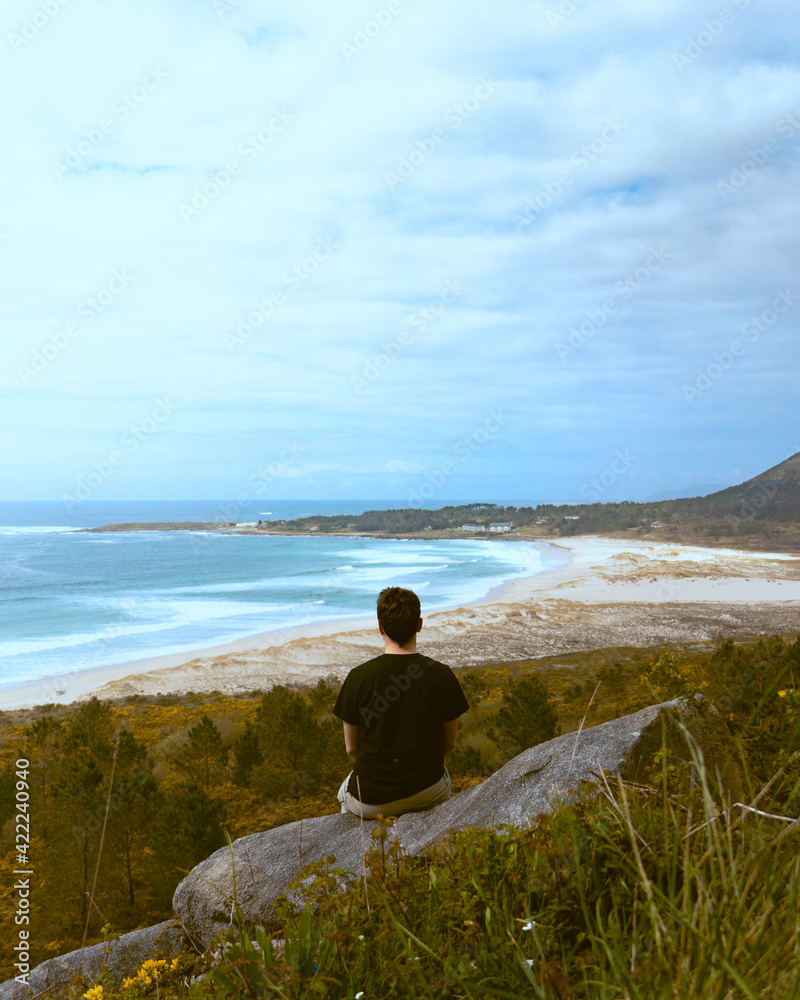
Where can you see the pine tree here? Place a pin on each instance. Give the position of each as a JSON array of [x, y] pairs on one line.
[[131, 812], [247, 755], [79, 802], [204, 755], [287, 731], [44, 736], [92, 726], [188, 827], [526, 718]]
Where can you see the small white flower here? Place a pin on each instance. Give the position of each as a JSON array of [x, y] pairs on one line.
[[529, 961], [530, 925], [361, 938], [359, 995]]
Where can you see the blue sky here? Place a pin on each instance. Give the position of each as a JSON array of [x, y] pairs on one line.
[[377, 250]]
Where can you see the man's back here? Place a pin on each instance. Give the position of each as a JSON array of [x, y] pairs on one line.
[[400, 703]]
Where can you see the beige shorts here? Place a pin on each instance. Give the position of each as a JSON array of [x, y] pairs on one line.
[[431, 796]]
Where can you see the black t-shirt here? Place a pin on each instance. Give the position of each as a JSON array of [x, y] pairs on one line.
[[399, 701]]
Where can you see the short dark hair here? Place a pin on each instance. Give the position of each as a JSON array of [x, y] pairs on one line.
[[398, 613]]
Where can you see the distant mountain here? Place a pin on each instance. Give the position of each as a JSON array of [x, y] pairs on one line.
[[786, 472], [689, 492], [778, 488]]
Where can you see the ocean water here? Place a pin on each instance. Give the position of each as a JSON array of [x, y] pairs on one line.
[[71, 601]]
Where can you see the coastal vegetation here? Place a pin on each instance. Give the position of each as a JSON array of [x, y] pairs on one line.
[[166, 778], [763, 510]]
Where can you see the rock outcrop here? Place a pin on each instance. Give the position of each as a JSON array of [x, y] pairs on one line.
[[125, 956], [530, 784]]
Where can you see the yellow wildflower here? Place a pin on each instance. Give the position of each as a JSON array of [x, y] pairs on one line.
[[174, 963], [781, 694], [152, 965], [126, 983], [95, 993]]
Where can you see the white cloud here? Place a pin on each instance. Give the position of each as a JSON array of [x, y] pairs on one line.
[[537, 138]]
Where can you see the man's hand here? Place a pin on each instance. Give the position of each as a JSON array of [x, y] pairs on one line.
[[351, 740], [449, 735]]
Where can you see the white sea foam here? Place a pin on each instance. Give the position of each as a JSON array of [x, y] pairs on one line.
[[107, 611], [228, 587], [173, 615], [10, 529]]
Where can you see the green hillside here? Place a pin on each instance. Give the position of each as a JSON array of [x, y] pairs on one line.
[[764, 510]]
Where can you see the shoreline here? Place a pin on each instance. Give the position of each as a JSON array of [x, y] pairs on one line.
[[81, 683], [610, 592]]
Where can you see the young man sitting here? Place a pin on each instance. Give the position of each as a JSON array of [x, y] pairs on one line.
[[400, 713]]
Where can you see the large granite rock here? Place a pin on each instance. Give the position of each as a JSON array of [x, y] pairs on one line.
[[530, 784], [124, 957]]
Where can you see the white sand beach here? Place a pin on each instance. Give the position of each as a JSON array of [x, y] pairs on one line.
[[613, 592]]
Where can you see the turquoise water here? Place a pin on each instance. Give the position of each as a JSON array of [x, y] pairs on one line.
[[72, 601]]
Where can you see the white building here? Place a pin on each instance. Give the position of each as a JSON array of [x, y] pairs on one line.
[[473, 527], [500, 526]]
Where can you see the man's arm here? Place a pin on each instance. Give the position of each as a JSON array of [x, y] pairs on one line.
[[351, 740], [449, 734]]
